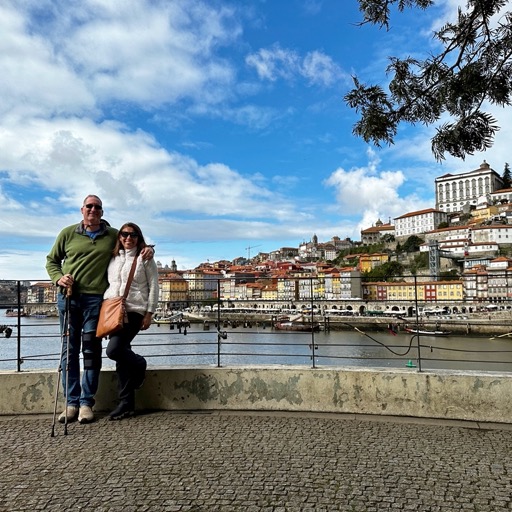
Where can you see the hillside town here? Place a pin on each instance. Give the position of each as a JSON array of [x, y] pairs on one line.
[[455, 251]]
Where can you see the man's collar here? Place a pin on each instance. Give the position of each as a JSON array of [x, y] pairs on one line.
[[81, 228]]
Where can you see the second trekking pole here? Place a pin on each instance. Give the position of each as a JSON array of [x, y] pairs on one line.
[[64, 343]]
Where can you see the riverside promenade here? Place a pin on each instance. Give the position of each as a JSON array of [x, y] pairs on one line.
[[255, 461]]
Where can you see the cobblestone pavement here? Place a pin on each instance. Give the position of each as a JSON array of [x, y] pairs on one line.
[[236, 461]]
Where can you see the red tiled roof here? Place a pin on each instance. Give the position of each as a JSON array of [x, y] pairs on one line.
[[419, 212]]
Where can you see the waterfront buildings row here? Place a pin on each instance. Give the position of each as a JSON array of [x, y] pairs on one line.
[[490, 281]]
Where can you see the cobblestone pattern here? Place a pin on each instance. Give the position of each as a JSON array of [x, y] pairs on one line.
[[169, 461]]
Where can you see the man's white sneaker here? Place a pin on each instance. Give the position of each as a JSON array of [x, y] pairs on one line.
[[71, 411], [85, 415]]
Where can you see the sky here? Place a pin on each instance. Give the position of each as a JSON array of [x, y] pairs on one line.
[[218, 126]]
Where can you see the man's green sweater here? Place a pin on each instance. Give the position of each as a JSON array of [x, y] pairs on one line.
[[86, 259]]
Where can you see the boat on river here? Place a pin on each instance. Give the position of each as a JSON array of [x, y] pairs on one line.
[[285, 323], [162, 320], [425, 332], [15, 312]]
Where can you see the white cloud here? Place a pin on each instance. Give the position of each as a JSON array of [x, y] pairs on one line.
[[35, 81], [448, 12], [280, 63], [274, 63], [131, 168], [253, 117], [135, 50], [320, 69], [369, 194]]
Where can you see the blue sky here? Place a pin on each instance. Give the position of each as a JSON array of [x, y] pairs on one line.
[[215, 125]]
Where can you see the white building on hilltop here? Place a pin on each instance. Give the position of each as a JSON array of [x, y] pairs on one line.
[[454, 191], [415, 223]]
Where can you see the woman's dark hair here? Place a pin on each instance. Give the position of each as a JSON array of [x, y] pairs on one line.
[[141, 243]]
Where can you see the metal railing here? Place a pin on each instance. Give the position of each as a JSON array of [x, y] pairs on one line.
[[222, 332]]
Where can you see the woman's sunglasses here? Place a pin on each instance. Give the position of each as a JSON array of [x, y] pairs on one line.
[[126, 234]]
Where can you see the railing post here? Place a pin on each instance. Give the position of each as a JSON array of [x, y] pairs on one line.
[[417, 321], [218, 325], [312, 319], [18, 355]]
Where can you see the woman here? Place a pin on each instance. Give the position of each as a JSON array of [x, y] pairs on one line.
[[141, 303]]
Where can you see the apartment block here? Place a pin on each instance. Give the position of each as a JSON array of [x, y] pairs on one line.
[[419, 222]]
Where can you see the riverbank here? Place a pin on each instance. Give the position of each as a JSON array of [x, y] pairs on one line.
[[475, 324], [486, 324], [496, 324]]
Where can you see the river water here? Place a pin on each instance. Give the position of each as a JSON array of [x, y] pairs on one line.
[[40, 348]]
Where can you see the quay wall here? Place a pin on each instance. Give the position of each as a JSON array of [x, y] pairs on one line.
[[483, 325], [461, 395], [475, 326]]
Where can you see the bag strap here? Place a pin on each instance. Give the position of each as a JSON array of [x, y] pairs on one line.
[[130, 278]]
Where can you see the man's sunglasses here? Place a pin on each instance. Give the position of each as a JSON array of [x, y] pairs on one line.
[[126, 234], [93, 206]]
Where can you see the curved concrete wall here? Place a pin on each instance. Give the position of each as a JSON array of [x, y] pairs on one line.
[[474, 396]]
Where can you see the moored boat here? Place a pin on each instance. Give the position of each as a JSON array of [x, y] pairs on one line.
[[15, 312], [288, 324], [424, 332], [297, 326], [162, 320]]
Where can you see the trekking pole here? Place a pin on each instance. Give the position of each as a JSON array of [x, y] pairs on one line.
[[69, 291], [64, 336]]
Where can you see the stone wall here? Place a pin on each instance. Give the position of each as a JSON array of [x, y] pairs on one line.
[[475, 396]]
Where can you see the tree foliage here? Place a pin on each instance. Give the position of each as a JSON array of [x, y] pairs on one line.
[[473, 67], [412, 244], [388, 238], [507, 177], [420, 261], [449, 275], [385, 272]]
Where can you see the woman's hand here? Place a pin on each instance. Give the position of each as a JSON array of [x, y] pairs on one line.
[[146, 321]]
